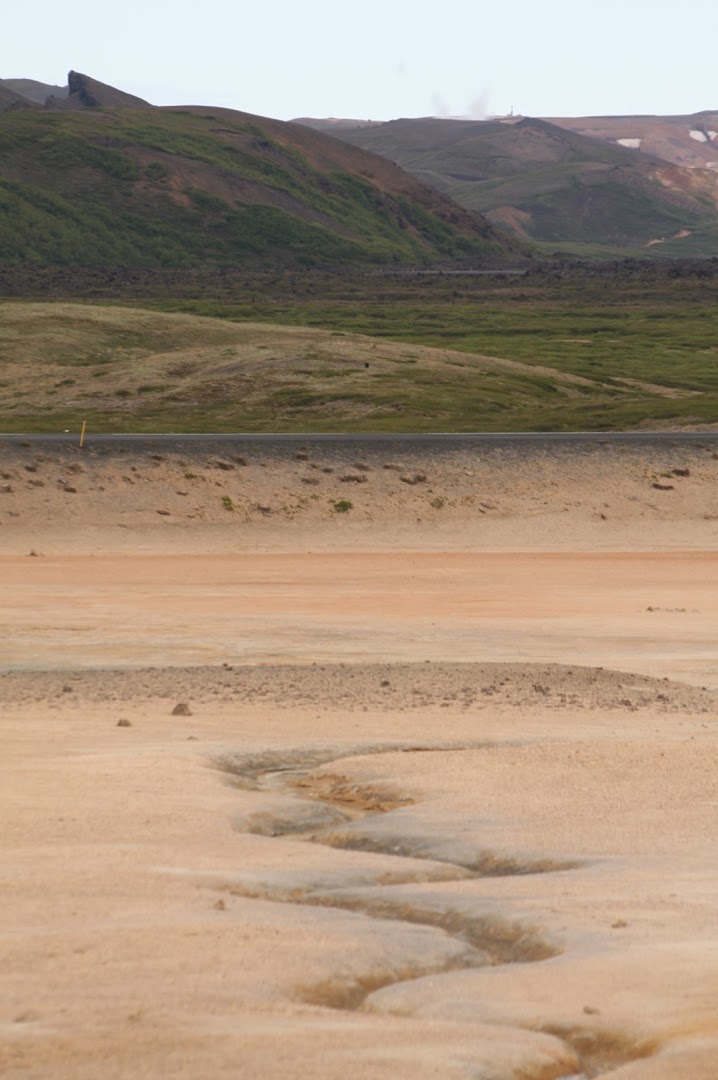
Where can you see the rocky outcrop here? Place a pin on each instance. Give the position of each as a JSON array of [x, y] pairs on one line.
[[87, 93]]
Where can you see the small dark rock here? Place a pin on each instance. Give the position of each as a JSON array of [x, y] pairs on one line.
[[181, 709], [122, 722]]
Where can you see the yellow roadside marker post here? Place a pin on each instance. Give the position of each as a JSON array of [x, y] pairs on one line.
[[82, 434]]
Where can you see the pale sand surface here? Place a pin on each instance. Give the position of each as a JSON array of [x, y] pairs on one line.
[[653, 612], [435, 812]]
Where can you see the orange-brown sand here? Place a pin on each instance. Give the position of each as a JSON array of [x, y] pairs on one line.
[[432, 809]]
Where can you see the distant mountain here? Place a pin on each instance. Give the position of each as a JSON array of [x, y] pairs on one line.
[[102, 178], [688, 141], [9, 99], [554, 186], [333, 123], [33, 91]]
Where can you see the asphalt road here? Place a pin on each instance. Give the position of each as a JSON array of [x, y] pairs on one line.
[[341, 444]]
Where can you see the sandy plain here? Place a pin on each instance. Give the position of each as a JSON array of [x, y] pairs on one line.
[[443, 802]]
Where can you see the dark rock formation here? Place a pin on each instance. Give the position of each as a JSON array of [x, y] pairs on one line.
[[87, 93]]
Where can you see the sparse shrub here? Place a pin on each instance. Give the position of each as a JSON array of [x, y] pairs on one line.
[[227, 503], [155, 171], [343, 505], [438, 502]]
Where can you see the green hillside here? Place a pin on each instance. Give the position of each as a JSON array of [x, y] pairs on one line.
[[187, 187]]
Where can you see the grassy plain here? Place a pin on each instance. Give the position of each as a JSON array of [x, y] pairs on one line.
[[310, 352]]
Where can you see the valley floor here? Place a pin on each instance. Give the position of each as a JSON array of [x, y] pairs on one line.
[[441, 800]]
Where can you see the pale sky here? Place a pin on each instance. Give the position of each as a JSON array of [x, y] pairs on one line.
[[379, 60]]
